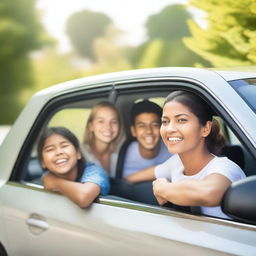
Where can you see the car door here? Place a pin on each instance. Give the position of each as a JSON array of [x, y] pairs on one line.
[[38, 222], [33, 219]]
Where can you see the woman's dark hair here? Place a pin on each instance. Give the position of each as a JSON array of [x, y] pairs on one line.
[[67, 134], [215, 141]]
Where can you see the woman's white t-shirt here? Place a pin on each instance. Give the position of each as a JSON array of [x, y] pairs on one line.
[[173, 170]]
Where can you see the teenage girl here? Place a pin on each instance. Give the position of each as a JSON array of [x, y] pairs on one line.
[[102, 136]]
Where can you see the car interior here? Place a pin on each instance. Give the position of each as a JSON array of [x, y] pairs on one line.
[[73, 115]]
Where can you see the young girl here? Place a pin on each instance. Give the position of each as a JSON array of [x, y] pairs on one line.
[[195, 175], [67, 171], [102, 136]]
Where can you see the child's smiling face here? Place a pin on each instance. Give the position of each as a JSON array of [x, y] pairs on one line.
[[60, 156]]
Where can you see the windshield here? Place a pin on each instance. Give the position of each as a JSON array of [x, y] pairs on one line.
[[246, 88]]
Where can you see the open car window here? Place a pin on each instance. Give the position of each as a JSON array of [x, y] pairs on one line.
[[73, 115]]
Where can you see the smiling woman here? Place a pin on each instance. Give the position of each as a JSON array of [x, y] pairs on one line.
[[194, 176]]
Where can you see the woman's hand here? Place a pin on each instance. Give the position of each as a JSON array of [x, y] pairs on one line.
[[206, 192], [157, 186]]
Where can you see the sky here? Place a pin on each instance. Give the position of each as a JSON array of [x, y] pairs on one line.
[[129, 16]]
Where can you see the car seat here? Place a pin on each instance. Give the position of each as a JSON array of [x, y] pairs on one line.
[[234, 153]]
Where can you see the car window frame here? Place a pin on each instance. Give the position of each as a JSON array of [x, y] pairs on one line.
[[122, 88]]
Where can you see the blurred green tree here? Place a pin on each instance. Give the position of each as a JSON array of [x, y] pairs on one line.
[[83, 28], [109, 54], [229, 38], [20, 33], [169, 24], [51, 68], [164, 46]]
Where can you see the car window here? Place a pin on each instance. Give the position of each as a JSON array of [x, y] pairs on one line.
[[74, 117], [246, 88]]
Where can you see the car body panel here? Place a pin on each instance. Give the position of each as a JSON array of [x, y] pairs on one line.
[[102, 224]]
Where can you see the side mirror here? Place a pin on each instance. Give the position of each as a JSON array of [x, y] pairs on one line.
[[239, 200]]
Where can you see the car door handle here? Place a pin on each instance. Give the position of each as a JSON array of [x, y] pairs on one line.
[[37, 223]]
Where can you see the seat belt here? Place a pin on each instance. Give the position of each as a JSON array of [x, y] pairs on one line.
[[121, 157]]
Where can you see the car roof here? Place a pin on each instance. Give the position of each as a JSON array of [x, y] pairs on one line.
[[115, 77], [235, 75]]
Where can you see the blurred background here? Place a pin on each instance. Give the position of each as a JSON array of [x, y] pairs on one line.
[[45, 42]]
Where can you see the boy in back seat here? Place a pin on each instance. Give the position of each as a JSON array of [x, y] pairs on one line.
[[148, 149]]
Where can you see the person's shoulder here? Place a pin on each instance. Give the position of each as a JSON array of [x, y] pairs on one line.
[[91, 164], [91, 167], [174, 158], [96, 174], [133, 147], [133, 144], [224, 161], [227, 167]]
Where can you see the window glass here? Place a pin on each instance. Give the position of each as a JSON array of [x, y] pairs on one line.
[[247, 90]]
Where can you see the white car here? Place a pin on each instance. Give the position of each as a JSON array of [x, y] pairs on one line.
[[36, 222]]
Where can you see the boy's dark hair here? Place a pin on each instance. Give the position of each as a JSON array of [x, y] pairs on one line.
[[145, 106]]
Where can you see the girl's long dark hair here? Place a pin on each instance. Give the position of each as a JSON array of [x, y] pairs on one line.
[[67, 134], [215, 141]]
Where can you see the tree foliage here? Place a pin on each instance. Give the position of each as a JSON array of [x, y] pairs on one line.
[[83, 28], [229, 38], [20, 29], [109, 54], [52, 68], [169, 24], [20, 33], [164, 46]]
